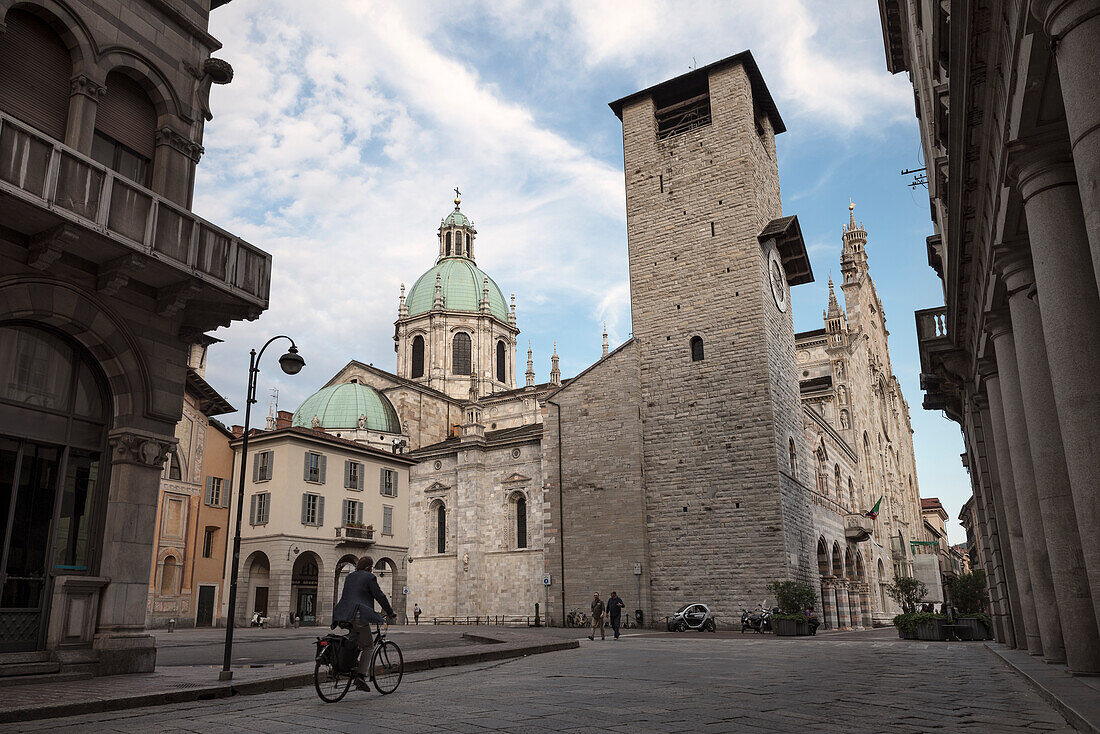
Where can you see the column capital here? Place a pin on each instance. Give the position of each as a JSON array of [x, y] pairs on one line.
[[998, 323], [1040, 164], [83, 84], [987, 366], [1012, 261], [133, 446], [1060, 16], [168, 136]]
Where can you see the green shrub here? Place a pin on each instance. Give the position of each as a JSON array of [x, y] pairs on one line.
[[910, 622], [799, 617], [968, 592], [793, 597], [985, 619], [907, 592]]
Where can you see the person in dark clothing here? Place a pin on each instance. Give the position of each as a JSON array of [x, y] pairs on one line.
[[812, 621], [356, 608], [614, 612]]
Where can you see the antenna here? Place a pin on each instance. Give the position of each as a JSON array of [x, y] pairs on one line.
[[919, 179], [273, 405]]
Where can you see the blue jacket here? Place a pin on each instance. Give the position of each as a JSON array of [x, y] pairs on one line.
[[360, 592], [615, 606]]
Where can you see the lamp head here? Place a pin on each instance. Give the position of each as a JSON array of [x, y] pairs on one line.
[[292, 362]]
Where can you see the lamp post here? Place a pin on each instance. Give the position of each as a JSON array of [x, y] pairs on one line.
[[291, 363]]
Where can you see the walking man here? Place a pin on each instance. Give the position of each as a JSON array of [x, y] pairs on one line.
[[597, 616], [416, 613], [614, 612]]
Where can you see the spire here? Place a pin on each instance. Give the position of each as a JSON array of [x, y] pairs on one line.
[[512, 311], [530, 367], [555, 373], [437, 302], [485, 294], [402, 308], [834, 307], [851, 214], [605, 348], [853, 257]]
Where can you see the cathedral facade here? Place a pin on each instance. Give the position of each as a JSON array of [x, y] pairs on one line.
[[711, 453]]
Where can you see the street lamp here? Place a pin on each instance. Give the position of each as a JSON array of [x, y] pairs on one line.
[[291, 363]]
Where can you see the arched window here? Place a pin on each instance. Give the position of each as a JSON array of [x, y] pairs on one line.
[[36, 68], [447, 239], [852, 496], [440, 528], [174, 471], [836, 480], [169, 576], [460, 356], [696, 349], [794, 467], [502, 368], [125, 129], [417, 357], [519, 503], [460, 242]]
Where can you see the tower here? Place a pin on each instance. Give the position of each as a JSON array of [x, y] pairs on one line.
[[711, 261]]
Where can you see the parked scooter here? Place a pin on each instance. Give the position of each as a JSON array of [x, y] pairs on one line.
[[759, 620]]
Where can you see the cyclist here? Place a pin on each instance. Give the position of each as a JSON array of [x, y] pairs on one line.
[[356, 609]]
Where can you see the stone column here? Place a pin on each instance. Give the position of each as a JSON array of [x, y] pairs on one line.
[[1025, 624], [1063, 540], [1048, 627], [83, 103], [865, 604], [1074, 28], [853, 605], [828, 603], [174, 166], [844, 615], [1070, 310], [137, 458]]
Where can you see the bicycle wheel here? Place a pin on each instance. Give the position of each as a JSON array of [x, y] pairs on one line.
[[331, 686], [387, 666]]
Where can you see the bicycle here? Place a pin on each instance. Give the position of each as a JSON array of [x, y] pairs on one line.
[[337, 664]]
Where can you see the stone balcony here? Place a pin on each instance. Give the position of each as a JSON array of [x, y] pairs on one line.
[[63, 205], [858, 528], [938, 355], [354, 536]]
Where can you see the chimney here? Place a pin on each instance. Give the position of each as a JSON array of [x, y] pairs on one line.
[[282, 419]]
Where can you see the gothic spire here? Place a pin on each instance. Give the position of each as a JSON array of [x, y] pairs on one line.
[[555, 373], [437, 302], [530, 367], [402, 308], [834, 307], [853, 257], [605, 346]]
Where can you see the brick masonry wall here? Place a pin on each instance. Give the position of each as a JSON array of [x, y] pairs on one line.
[[604, 519]]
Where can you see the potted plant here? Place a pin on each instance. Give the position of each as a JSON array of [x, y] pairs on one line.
[[908, 593], [793, 599], [968, 596]]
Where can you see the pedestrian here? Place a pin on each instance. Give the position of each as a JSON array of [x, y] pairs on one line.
[[614, 612], [356, 609], [812, 621], [416, 613], [597, 616]]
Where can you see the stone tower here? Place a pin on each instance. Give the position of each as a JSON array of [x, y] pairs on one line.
[[711, 261]]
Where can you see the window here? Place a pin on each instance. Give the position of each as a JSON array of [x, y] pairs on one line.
[[169, 576], [353, 513], [214, 496], [460, 354], [851, 495], [519, 504], [448, 245], [388, 484], [125, 129], [353, 475], [689, 109], [313, 509], [208, 542], [314, 470], [121, 159], [502, 367], [174, 466], [387, 520], [260, 510], [696, 349], [417, 357], [439, 520], [790, 446], [836, 479], [261, 466], [36, 68]]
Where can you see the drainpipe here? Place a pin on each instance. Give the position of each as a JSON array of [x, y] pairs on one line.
[[561, 513]]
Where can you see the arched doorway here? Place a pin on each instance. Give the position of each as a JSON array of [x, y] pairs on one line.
[[386, 571], [303, 587], [882, 584], [53, 476], [340, 574], [259, 585]]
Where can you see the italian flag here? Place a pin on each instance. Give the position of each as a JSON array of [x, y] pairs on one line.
[[873, 512]]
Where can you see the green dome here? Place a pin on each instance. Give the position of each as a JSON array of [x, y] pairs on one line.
[[339, 407], [458, 219], [462, 283]]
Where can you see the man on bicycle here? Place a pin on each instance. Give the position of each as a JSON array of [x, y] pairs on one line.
[[356, 609]]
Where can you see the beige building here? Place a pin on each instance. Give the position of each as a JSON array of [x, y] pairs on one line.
[[315, 504], [106, 279], [1005, 95]]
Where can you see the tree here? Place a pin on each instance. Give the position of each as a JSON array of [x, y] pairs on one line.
[[968, 592], [907, 592]]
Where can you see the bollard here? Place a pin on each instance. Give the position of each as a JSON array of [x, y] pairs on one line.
[[538, 623], [171, 625]]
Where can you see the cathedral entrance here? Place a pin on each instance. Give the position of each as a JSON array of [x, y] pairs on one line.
[[54, 434]]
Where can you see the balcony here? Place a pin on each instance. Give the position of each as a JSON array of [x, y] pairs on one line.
[[66, 204], [858, 528], [940, 363], [354, 536]]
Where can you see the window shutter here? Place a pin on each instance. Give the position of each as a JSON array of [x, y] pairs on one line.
[[395, 476], [252, 512], [359, 512], [256, 468], [36, 67], [321, 468], [382, 481], [265, 509], [359, 476], [270, 464], [320, 511], [305, 470], [305, 508], [126, 114], [210, 490], [347, 474]]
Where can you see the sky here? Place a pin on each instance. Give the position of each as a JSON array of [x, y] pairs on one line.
[[348, 124]]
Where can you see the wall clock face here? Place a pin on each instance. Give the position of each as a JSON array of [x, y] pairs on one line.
[[778, 281]]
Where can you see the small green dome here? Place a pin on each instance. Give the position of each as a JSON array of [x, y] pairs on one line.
[[462, 283], [457, 219], [339, 407]]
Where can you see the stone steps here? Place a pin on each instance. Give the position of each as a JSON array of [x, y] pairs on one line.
[[19, 670]]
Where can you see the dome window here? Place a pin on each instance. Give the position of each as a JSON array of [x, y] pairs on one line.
[[502, 368], [447, 238], [417, 357], [461, 353]]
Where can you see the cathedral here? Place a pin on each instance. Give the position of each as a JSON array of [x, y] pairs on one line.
[[711, 453]]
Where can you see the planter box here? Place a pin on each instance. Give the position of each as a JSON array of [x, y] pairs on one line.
[[791, 627], [975, 630], [907, 635], [932, 631]]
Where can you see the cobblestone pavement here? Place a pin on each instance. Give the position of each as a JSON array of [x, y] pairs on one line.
[[858, 682]]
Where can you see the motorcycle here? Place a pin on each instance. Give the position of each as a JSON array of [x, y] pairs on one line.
[[692, 617], [759, 620]]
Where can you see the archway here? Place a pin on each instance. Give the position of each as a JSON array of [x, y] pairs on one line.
[[824, 570], [258, 578], [386, 571], [881, 569], [843, 614], [344, 566], [303, 588], [864, 591]]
